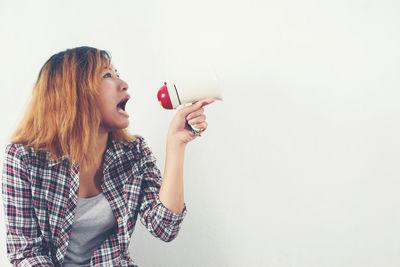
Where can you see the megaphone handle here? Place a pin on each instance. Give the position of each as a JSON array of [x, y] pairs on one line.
[[195, 131]]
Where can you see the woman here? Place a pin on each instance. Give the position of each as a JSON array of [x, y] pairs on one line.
[[75, 180]]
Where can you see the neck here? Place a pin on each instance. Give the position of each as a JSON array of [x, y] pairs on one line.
[[101, 142], [101, 146]]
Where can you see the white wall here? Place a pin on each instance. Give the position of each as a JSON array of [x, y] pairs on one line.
[[300, 164]]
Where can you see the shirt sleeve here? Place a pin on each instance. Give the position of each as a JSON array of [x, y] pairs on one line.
[[161, 222], [24, 239]]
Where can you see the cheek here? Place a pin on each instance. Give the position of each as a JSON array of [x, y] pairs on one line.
[[104, 108], [104, 99]]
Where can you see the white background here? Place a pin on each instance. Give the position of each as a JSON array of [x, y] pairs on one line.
[[300, 163]]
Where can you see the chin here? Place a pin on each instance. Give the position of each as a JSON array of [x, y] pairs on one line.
[[122, 126], [116, 126]]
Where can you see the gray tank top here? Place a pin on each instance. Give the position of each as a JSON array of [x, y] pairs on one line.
[[93, 222]]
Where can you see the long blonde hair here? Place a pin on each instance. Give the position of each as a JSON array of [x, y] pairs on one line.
[[62, 116]]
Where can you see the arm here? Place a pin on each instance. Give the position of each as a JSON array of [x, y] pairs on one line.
[[171, 192], [162, 206], [159, 220], [24, 239]]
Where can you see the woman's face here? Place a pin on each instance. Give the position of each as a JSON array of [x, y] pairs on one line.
[[112, 100]]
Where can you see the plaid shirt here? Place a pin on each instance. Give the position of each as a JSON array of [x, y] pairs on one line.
[[40, 198]]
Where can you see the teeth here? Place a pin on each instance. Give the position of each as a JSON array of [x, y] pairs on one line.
[[123, 112]]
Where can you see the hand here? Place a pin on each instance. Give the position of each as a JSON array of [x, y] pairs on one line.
[[178, 131]]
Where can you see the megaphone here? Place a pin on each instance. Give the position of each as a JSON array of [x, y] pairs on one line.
[[188, 90]]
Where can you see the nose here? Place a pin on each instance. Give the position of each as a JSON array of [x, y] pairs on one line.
[[124, 86]]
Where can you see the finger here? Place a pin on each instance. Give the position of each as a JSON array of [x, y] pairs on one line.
[[195, 114], [203, 126], [205, 102], [198, 119], [195, 106], [185, 111]]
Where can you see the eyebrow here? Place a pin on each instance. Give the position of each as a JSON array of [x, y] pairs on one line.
[[110, 69]]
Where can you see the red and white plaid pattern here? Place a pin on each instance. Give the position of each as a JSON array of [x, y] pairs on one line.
[[40, 197]]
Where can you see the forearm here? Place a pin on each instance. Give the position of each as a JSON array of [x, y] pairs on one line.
[[171, 191]]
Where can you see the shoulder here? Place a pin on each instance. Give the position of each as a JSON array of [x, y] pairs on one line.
[[14, 149], [18, 152], [138, 145]]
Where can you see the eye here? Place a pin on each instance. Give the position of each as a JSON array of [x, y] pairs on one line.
[[107, 75]]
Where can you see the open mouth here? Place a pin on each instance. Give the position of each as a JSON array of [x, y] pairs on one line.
[[121, 107], [122, 104]]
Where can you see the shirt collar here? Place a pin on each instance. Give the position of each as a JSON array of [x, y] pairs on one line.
[[114, 150], [53, 162]]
